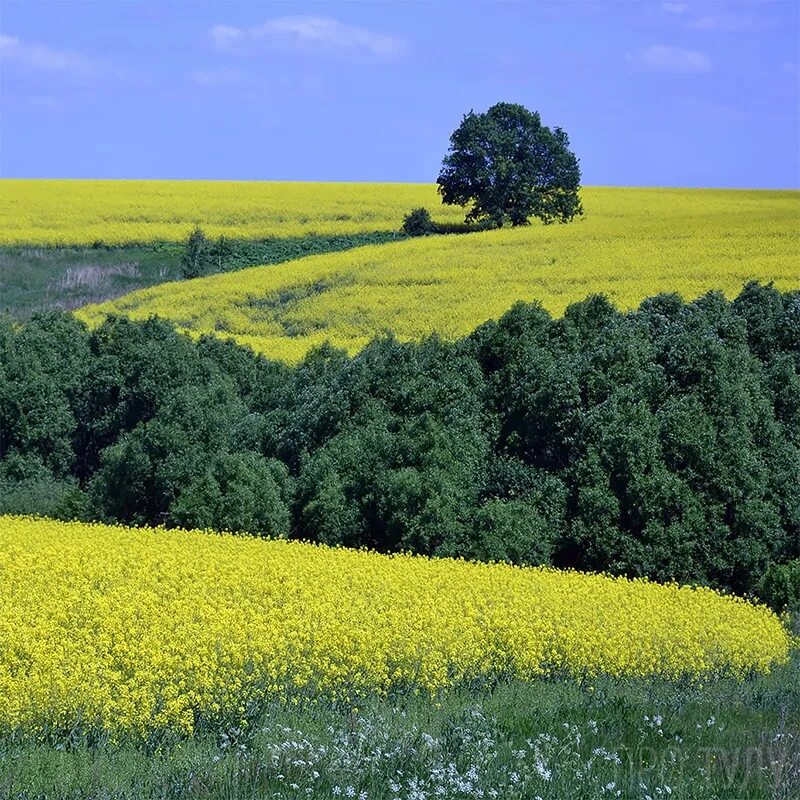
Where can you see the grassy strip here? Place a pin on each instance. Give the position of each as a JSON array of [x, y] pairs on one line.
[[556, 740], [35, 279]]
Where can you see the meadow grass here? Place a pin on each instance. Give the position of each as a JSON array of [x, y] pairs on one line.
[[38, 279], [632, 244], [560, 740]]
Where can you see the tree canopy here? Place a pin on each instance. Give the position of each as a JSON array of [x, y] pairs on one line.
[[510, 167]]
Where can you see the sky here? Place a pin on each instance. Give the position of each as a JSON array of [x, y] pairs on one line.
[[689, 93]]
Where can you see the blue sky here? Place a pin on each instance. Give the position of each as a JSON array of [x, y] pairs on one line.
[[686, 93]]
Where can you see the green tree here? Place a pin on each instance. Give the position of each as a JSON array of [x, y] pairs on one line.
[[511, 168], [236, 492], [512, 531], [780, 586], [196, 256]]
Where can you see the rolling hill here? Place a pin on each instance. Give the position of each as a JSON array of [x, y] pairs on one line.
[[632, 244]]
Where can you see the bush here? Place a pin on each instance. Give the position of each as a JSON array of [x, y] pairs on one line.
[[419, 223], [195, 256], [780, 588]]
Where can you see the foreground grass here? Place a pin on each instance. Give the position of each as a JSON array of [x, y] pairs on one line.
[[632, 244], [35, 279], [557, 740]]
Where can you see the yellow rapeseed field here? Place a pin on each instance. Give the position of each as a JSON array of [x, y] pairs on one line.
[[131, 631], [80, 212], [633, 243]]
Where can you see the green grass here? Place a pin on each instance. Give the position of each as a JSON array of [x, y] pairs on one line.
[[34, 279], [558, 740]]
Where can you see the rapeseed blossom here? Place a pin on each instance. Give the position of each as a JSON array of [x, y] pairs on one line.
[[633, 244], [135, 630], [118, 212]]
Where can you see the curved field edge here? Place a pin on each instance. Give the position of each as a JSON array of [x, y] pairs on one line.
[[42, 278], [133, 630], [633, 243]]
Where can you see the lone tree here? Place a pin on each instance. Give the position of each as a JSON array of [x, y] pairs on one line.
[[511, 167]]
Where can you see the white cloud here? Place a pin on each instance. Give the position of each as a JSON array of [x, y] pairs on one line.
[[224, 37], [674, 8], [43, 57], [662, 58], [331, 32], [728, 23], [309, 32]]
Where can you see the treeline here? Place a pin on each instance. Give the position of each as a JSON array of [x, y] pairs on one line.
[[663, 442]]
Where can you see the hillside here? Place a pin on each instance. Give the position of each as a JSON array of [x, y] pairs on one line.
[[142, 629], [82, 212], [632, 243]]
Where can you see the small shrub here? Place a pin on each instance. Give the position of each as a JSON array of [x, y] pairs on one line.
[[419, 223], [219, 254], [195, 256]]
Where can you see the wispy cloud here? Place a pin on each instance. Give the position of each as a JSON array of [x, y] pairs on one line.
[[213, 78], [675, 8], [662, 58], [224, 37], [45, 58], [308, 32], [730, 23]]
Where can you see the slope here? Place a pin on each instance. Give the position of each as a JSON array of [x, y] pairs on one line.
[[633, 243]]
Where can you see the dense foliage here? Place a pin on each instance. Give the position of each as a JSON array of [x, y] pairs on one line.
[[509, 167], [662, 442], [200, 256], [418, 223]]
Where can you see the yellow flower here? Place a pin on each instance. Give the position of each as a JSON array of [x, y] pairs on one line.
[[132, 630], [633, 244]]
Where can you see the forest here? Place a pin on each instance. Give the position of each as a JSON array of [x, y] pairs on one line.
[[662, 442]]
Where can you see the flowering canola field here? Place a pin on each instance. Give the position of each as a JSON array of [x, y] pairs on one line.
[[632, 244], [130, 630], [80, 212]]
